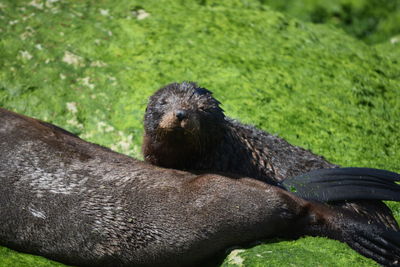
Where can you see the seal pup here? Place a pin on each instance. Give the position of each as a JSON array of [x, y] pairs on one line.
[[185, 128], [83, 204]]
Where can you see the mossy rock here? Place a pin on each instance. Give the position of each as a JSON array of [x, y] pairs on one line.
[[311, 252], [89, 67], [373, 21], [10, 258]]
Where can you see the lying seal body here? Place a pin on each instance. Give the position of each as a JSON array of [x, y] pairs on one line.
[[83, 204], [185, 128]]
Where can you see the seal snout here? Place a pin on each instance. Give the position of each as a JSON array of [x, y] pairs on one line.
[[181, 114], [176, 120]]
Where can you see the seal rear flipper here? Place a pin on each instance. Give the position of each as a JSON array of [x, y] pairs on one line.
[[381, 246], [345, 184], [371, 240]]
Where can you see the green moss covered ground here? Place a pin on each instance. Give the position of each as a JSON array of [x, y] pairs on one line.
[[373, 21], [90, 67]]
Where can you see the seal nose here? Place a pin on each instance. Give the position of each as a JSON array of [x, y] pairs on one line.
[[180, 114]]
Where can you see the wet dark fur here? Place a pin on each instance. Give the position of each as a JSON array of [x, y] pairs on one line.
[[221, 144], [82, 204]]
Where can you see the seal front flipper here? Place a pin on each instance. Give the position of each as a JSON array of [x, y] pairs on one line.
[[338, 184]]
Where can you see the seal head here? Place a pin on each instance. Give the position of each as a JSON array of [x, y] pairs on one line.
[[182, 122]]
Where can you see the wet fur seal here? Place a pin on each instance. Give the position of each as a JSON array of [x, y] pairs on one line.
[[82, 204], [185, 128]]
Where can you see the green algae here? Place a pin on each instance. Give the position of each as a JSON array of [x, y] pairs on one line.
[[287, 253], [10, 258], [373, 21], [90, 67]]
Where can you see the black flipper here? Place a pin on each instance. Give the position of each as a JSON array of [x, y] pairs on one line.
[[345, 184], [369, 239], [381, 246], [375, 211]]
